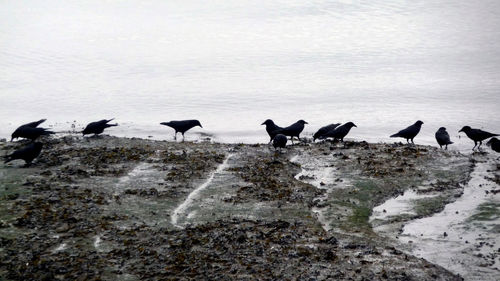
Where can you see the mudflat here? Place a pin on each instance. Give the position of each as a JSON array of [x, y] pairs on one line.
[[108, 208]]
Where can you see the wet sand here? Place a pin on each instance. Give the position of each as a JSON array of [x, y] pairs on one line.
[[111, 208]]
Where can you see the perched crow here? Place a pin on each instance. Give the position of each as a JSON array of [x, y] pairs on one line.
[[19, 131], [476, 135], [494, 143], [97, 127], [443, 138], [271, 128], [293, 130], [182, 126], [339, 132], [279, 141], [410, 132], [27, 153], [30, 133], [324, 130]]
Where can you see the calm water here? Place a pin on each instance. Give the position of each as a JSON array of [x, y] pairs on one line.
[[232, 64]]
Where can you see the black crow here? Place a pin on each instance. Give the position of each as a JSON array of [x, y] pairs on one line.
[[476, 135], [293, 130], [271, 128], [409, 133], [182, 126], [33, 124], [324, 130], [27, 153], [279, 141], [339, 132], [30, 133], [443, 138], [494, 143], [97, 127]]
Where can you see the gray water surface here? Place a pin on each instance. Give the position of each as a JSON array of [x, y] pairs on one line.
[[232, 64]]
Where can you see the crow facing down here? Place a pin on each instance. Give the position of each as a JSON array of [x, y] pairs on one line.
[[30, 133], [271, 128], [443, 138], [324, 130], [339, 132], [494, 143], [279, 141], [293, 130], [182, 126], [409, 133], [22, 132], [477, 135], [97, 127], [27, 153]]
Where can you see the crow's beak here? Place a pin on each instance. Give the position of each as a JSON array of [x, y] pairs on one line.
[[11, 139], [263, 123], [305, 122], [460, 131], [355, 125]]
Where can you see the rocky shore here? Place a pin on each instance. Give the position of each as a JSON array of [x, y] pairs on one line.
[[110, 208]]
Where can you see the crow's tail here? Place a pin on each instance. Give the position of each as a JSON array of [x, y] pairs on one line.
[[35, 124], [395, 135], [165, 123]]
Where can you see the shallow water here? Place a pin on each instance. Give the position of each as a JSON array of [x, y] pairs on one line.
[[462, 238], [233, 64]]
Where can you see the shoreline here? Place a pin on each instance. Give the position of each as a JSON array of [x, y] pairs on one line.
[[109, 201]]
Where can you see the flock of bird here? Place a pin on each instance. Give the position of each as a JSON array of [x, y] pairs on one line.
[[278, 135]]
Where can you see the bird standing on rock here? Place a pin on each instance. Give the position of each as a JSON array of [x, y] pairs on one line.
[[271, 128], [409, 133], [97, 127], [182, 126], [27, 153], [293, 130], [279, 141], [339, 132], [443, 138], [30, 131], [477, 135], [324, 130]]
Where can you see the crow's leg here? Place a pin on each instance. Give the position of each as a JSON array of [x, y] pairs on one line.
[[175, 135], [182, 136], [475, 144]]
